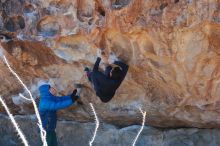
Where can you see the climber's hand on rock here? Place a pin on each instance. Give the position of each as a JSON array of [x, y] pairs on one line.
[[112, 58], [99, 52], [105, 59]]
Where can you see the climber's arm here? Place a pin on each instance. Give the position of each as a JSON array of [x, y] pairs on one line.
[[96, 66], [124, 68], [108, 70]]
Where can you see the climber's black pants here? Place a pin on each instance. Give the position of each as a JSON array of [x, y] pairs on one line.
[[95, 80], [89, 75]]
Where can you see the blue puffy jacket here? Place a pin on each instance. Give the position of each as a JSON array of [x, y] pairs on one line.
[[48, 106]]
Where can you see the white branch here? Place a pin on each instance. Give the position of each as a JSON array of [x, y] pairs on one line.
[[42, 131], [20, 133], [142, 127], [22, 96], [97, 125]]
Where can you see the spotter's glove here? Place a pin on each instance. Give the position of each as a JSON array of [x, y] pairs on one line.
[[74, 96]]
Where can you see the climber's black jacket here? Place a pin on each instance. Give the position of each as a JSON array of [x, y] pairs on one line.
[[104, 86]]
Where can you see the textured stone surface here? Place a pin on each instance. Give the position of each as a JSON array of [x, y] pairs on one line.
[[172, 47], [79, 134]]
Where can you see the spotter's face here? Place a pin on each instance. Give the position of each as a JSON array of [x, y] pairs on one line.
[[53, 91]]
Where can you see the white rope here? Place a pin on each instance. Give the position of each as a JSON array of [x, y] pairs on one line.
[[42, 131], [142, 127], [20, 133], [97, 125]]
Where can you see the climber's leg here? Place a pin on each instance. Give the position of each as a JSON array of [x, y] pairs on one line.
[[92, 78], [88, 73], [95, 82]]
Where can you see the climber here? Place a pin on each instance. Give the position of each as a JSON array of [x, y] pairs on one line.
[[49, 104], [105, 84]]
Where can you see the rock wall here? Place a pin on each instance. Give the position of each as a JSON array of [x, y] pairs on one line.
[[79, 134], [172, 47]]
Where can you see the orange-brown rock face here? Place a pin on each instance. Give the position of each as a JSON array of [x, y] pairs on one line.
[[172, 47]]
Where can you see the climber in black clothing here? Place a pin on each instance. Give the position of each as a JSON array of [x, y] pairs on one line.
[[105, 84]]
